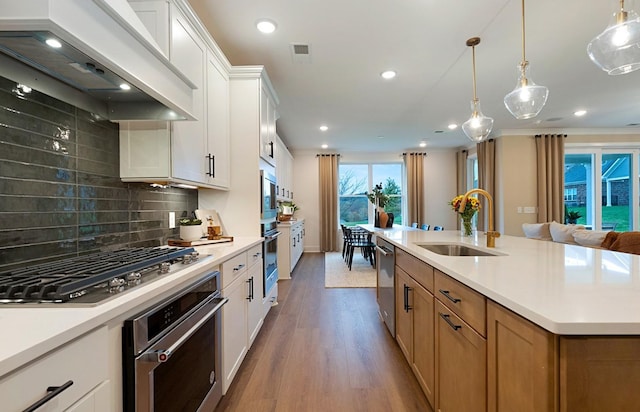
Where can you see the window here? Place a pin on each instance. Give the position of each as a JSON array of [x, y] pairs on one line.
[[357, 179], [598, 186], [570, 194]]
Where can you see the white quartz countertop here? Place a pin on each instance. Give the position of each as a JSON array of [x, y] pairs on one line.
[[566, 289], [30, 331]]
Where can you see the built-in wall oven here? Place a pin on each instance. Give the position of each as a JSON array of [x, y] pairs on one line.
[[269, 205], [270, 252], [172, 352]]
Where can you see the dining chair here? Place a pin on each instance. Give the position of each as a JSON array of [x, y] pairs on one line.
[[438, 228], [425, 226], [359, 239]]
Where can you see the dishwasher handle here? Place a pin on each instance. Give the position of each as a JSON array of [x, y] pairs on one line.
[[384, 250]]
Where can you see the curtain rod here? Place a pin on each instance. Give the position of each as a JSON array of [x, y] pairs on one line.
[[414, 153], [540, 135], [327, 154]]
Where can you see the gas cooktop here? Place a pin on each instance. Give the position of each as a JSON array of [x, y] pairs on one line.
[[91, 278]]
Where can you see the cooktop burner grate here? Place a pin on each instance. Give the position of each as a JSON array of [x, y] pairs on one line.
[[57, 281]]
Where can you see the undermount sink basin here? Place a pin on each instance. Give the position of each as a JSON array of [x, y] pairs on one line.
[[452, 249]]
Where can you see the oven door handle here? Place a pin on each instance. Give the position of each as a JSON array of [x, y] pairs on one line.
[[162, 355], [271, 237]]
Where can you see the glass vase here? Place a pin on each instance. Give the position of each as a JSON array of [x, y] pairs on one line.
[[467, 227]]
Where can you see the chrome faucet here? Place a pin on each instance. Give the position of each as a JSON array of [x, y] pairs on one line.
[[491, 234]]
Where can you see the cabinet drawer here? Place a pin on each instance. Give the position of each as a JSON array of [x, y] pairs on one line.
[[82, 361], [420, 271], [254, 255], [233, 268], [465, 302]]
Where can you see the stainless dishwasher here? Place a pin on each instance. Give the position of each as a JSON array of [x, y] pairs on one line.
[[385, 258]]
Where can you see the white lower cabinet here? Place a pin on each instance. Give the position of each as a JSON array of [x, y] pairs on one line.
[[83, 361], [243, 315], [290, 247]]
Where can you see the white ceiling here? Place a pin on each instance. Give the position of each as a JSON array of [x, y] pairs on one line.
[[353, 41]]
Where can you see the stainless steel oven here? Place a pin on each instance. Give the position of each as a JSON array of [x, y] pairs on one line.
[[270, 255], [269, 204], [172, 352]]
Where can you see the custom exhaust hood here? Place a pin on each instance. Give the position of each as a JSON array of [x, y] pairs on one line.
[[95, 54]]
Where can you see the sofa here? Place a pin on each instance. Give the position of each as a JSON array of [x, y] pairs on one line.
[[627, 242]]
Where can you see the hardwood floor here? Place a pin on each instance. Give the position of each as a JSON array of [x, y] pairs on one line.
[[323, 350]]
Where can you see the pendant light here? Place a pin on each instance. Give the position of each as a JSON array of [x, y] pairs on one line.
[[478, 127], [617, 49], [528, 98]]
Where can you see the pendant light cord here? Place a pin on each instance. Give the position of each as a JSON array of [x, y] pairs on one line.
[[473, 59], [524, 59]]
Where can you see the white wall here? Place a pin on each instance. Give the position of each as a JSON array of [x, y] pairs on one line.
[[440, 187]]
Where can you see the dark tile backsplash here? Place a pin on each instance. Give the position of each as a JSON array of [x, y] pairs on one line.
[[60, 191]]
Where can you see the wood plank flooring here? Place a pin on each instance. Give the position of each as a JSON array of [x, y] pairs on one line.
[[323, 350]]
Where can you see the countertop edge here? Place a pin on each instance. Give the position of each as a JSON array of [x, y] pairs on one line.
[[86, 319]]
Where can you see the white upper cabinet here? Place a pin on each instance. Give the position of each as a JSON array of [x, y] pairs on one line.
[[268, 116], [284, 171], [188, 152]]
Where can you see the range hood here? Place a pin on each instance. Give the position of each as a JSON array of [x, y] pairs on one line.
[[95, 54]]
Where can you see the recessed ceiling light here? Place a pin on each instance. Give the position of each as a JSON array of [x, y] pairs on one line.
[[324, 146], [452, 126], [266, 26], [389, 74], [125, 86], [580, 113], [324, 128], [53, 43], [423, 144]]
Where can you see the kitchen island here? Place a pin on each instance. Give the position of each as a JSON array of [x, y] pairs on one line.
[[536, 325], [44, 340]]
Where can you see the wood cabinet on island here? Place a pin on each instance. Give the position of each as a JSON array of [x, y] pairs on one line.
[[535, 326]]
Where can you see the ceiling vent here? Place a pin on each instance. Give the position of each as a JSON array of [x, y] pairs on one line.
[[300, 53]]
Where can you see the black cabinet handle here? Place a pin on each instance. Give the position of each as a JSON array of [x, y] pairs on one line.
[[446, 319], [407, 308], [211, 165], [53, 391], [250, 282], [448, 296], [294, 241], [292, 194], [287, 193], [271, 149], [283, 191]]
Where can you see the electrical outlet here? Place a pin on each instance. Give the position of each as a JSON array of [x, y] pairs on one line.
[[529, 209], [172, 220], [519, 209]]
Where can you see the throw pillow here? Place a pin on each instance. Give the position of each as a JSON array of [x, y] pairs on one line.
[[537, 231], [563, 233], [591, 238]]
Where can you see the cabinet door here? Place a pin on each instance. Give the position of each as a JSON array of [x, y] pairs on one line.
[[254, 301], [461, 364], [267, 128], [404, 318], [218, 153], [522, 364], [423, 364], [98, 400], [188, 138], [234, 329]]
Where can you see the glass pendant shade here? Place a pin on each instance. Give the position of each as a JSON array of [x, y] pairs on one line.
[[617, 49], [478, 127], [528, 98]]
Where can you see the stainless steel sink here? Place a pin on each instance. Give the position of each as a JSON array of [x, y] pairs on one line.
[[452, 249]]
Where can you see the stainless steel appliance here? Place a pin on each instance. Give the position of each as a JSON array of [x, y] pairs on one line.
[[172, 352], [270, 233], [93, 278], [385, 267], [268, 188]]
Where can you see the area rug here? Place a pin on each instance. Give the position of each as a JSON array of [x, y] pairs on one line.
[[338, 275]]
